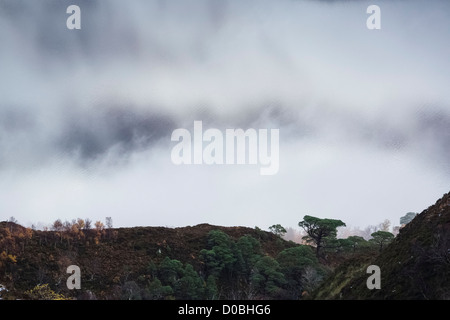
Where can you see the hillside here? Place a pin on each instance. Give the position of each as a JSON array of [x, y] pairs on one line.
[[416, 265], [216, 262], [116, 258]]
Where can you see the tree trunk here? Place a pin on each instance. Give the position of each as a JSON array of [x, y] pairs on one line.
[[319, 244]]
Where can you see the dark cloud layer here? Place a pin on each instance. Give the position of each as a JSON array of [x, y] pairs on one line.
[[357, 109], [118, 131], [92, 136]]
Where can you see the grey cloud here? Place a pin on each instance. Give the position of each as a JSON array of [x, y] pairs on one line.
[[309, 68], [92, 135], [434, 134], [120, 130], [28, 140], [14, 119], [156, 31]]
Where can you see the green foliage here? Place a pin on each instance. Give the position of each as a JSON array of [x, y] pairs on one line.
[[226, 263], [261, 234], [249, 251], [170, 271], [382, 238], [357, 242], [320, 230], [267, 277], [191, 285], [152, 268], [211, 290], [340, 245], [347, 246], [156, 291], [220, 257], [414, 266], [174, 281], [297, 258], [294, 264], [284, 276], [136, 263], [278, 230]]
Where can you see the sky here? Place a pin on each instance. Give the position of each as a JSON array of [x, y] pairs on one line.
[[86, 116]]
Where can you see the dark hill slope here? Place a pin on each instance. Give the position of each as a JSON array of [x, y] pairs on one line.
[[116, 256], [416, 265]]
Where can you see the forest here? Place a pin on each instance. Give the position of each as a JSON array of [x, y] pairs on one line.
[[201, 262], [327, 260]]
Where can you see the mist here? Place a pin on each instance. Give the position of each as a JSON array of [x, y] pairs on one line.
[[86, 115]]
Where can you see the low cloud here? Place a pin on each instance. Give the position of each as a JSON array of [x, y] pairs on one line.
[[86, 116]]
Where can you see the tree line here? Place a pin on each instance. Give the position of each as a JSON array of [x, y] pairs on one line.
[[228, 269], [80, 230], [238, 269], [14, 238]]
